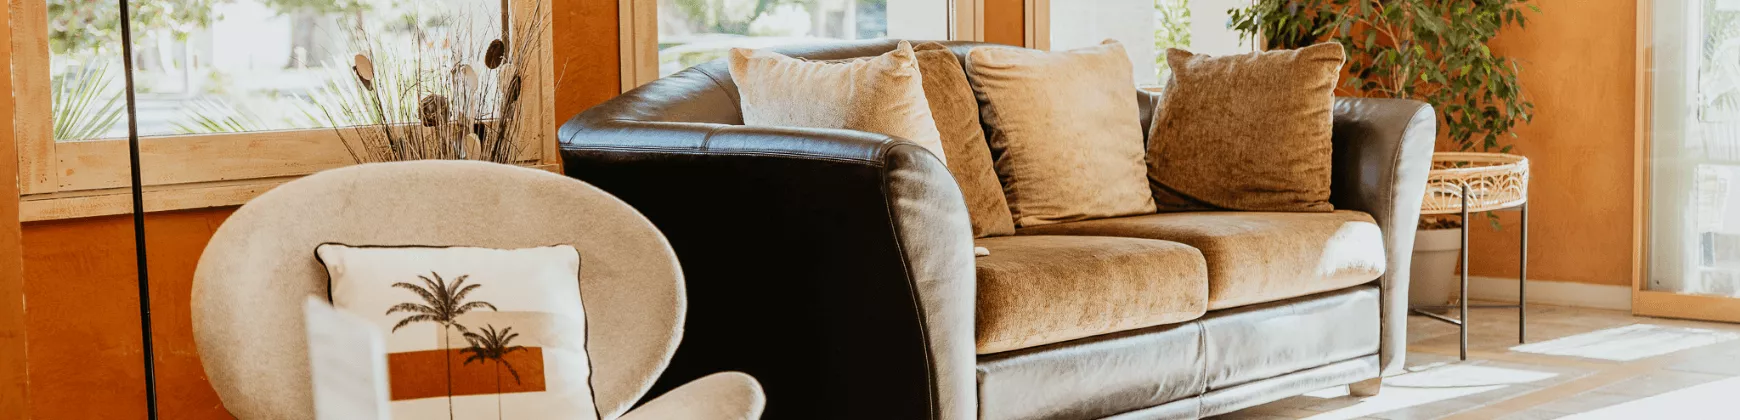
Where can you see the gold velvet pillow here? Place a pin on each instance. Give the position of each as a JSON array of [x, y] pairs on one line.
[[963, 139], [883, 94], [1065, 129], [1247, 131]]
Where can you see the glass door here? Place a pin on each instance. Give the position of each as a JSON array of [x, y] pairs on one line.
[[1690, 160]]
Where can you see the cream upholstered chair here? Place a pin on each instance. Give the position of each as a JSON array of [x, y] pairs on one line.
[[260, 266]]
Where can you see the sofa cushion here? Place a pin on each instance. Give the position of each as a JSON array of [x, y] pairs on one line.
[[956, 111], [1064, 131], [1256, 257], [1037, 290], [1256, 342], [1094, 377], [882, 94], [1246, 131]]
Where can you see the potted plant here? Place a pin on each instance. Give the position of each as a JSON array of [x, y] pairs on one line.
[[1434, 51]]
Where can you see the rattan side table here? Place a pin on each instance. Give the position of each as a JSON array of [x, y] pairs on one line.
[[1464, 183]]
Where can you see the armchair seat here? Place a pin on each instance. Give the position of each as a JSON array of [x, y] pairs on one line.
[[1256, 257], [1036, 290]]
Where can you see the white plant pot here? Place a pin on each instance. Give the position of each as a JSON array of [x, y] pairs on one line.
[[1433, 280]]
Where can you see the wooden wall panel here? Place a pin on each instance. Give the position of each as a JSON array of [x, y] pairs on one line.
[[1578, 67], [14, 393]]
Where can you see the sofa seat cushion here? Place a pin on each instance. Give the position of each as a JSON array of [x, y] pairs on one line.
[[1256, 257], [1035, 290]]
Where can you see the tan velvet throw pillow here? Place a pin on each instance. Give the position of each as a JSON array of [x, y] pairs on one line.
[[1065, 129], [963, 139], [882, 94], [1247, 131]]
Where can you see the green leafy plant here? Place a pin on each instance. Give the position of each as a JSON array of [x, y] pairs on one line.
[[95, 26], [206, 116], [1434, 51], [1171, 30], [84, 102]]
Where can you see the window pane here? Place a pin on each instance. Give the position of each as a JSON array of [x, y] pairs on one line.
[[1147, 28], [214, 66], [697, 31], [1695, 140]]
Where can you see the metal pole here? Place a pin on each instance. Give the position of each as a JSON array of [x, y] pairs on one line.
[[138, 214], [1463, 326], [1522, 280]]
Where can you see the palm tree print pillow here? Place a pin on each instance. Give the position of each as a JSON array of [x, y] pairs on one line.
[[472, 333]]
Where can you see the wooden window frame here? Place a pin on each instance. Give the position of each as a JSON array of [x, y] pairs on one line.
[[62, 180], [639, 34]]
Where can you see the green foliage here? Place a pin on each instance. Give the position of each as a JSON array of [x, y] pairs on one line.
[[729, 16], [284, 7], [1429, 50], [1719, 71], [95, 26], [207, 116], [85, 103], [1171, 30]]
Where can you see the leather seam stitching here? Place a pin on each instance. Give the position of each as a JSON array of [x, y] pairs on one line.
[[736, 102], [1202, 349]]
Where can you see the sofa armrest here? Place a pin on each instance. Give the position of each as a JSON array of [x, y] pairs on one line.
[[1383, 150], [834, 266]]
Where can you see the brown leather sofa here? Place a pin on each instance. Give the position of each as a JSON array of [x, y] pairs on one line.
[[836, 266]]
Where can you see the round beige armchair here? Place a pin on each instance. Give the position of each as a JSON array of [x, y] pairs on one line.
[[260, 266]]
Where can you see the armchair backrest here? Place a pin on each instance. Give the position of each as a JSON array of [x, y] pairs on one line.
[[252, 279]]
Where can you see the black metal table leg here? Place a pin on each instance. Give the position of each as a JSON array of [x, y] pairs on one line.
[[1463, 305], [1463, 326], [1522, 280]]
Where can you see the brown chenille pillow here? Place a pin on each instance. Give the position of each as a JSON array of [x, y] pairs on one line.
[[963, 139], [1065, 129], [1246, 131]]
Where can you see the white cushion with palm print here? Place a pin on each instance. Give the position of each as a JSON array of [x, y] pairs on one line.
[[472, 333]]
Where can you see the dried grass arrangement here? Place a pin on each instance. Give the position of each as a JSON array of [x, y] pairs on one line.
[[458, 97]]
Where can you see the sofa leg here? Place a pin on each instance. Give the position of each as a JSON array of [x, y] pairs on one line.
[[1366, 388]]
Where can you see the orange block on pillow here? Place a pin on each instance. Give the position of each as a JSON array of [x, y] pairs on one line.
[[419, 374]]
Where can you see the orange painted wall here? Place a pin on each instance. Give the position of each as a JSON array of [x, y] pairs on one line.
[[82, 321], [1578, 61], [85, 354]]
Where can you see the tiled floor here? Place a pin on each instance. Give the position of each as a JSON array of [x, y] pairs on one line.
[[1617, 375]]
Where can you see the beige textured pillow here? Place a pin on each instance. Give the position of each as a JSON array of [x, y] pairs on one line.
[[1066, 130], [963, 139], [883, 94], [1248, 131]]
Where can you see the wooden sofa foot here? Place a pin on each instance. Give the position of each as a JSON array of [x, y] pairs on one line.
[[1366, 388]]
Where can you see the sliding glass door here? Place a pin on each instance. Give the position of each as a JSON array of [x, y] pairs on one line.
[[1691, 160]]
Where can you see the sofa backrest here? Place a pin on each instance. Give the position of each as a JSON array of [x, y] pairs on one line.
[[706, 93]]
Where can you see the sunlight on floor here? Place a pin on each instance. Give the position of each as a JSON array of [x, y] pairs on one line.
[[1427, 384], [1627, 343], [1708, 401]]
